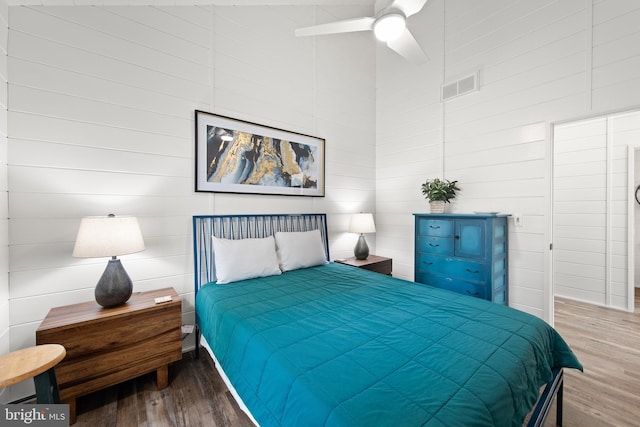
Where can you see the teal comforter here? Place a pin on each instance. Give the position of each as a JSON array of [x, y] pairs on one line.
[[339, 346]]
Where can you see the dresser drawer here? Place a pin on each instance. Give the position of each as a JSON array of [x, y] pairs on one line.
[[435, 227], [478, 290], [435, 245], [470, 270], [452, 267]]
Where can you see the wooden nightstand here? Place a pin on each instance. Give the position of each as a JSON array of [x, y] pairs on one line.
[[376, 263], [106, 346]]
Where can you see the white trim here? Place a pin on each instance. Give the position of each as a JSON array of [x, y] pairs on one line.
[[632, 152], [226, 380], [608, 212], [549, 304]]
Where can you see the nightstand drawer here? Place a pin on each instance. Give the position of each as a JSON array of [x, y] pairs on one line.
[[382, 267], [105, 335]]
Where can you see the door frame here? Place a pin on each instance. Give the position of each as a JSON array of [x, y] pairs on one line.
[[549, 302], [633, 153], [633, 150]]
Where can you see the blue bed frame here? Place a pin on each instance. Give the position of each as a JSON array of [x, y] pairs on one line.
[[258, 226]]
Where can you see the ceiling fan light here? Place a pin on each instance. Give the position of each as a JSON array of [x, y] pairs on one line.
[[389, 27]]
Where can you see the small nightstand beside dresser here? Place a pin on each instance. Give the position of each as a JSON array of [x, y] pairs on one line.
[[375, 263], [106, 346]]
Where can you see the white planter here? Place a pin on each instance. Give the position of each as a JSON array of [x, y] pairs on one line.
[[437, 206]]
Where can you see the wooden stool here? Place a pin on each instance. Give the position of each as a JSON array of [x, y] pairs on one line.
[[37, 362]]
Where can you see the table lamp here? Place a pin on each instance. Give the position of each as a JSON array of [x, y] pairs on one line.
[[110, 236], [361, 223]]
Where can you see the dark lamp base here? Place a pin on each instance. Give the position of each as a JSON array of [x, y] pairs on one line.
[[361, 250], [114, 287]]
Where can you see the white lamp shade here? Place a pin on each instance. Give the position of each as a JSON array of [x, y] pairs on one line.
[[362, 223], [108, 236]]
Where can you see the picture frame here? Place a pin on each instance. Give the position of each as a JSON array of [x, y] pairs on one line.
[[236, 156]]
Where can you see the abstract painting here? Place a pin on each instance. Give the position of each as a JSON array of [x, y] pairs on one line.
[[236, 156]]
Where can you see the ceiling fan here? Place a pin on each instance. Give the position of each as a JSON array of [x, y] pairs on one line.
[[388, 24]]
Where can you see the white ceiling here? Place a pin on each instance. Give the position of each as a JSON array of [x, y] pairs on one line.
[[188, 2]]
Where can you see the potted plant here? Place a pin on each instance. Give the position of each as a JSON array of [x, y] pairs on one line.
[[438, 192]]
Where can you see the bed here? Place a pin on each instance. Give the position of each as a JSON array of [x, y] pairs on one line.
[[325, 344]]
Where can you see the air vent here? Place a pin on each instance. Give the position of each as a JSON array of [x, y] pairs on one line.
[[460, 87]]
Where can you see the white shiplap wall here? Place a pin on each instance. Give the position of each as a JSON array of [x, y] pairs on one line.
[[101, 106], [100, 113], [580, 196], [539, 62], [409, 137], [4, 208]]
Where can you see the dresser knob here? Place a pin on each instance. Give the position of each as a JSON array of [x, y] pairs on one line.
[[473, 271]]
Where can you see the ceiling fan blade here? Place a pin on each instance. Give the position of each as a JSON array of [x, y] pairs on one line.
[[407, 46], [408, 7], [346, 26]]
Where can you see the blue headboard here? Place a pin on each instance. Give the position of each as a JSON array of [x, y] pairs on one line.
[[243, 227]]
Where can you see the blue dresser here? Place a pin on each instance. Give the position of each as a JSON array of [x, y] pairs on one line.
[[465, 253]]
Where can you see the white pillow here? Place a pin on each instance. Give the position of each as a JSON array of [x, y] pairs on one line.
[[244, 258], [300, 249]]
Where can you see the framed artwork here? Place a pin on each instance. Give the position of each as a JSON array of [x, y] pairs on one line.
[[234, 156]]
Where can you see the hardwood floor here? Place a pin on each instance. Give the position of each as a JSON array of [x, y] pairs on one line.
[[196, 397], [606, 341]]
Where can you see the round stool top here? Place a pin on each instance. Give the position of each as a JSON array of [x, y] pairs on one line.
[[23, 364]]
